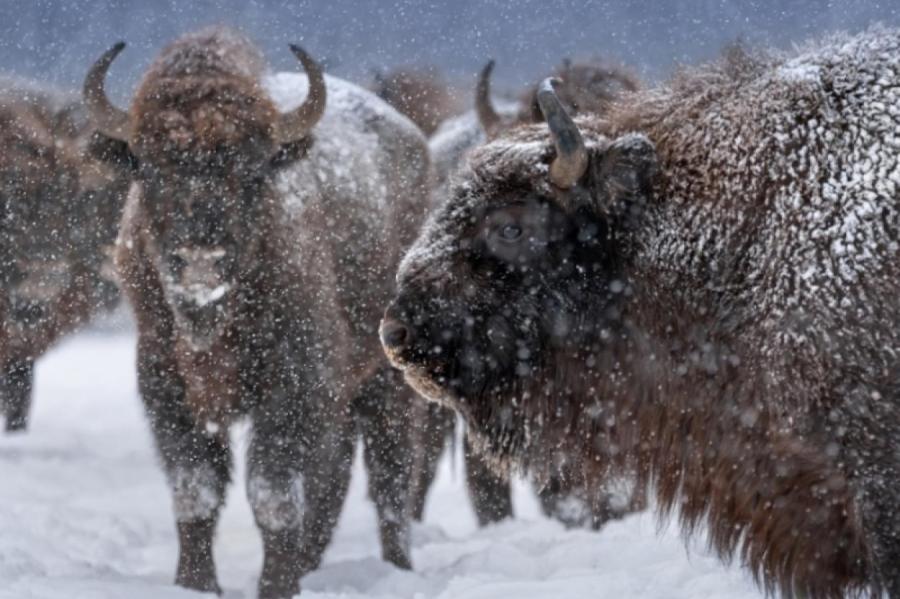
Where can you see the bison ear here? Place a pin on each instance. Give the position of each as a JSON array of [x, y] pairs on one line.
[[112, 151], [623, 176]]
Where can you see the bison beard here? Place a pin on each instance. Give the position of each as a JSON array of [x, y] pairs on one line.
[[720, 318], [256, 252]]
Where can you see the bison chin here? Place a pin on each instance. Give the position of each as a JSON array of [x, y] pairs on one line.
[[202, 318], [472, 361]]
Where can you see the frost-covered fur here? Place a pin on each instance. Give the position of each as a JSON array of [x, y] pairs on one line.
[[60, 209], [715, 305], [258, 275]]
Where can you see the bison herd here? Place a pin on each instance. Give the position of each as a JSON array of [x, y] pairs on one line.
[[682, 295]]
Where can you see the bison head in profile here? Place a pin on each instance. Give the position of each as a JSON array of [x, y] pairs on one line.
[[497, 289], [204, 149]]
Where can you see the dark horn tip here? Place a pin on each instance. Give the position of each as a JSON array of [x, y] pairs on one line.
[[488, 67], [118, 46]]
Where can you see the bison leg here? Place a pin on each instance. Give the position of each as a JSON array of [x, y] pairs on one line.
[[564, 501], [298, 471], [18, 376], [383, 407], [197, 467], [873, 438], [490, 493], [432, 427]]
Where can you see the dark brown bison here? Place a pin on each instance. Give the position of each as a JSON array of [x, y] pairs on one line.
[[701, 287], [419, 93], [255, 248], [563, 492], [60, 210]]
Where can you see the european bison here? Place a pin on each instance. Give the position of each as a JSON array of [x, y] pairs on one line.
[[703, 287], [255, 248], [562, 490], [420, 94], [60, 207]]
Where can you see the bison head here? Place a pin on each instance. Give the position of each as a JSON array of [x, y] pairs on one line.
[[204, 147], [522, 265]]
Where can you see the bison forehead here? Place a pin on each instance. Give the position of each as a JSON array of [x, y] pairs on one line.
[[517, 160], [185, 117], [430, 255]]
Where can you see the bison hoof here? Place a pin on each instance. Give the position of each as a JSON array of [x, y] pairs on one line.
[[278, 588], [16, 425], [198, 581], [399, 559]]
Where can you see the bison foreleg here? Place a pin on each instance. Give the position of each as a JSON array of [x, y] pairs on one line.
[[431, 428], [196, 462], [490, 493], [384, 413], [298, 470], [18, 376]]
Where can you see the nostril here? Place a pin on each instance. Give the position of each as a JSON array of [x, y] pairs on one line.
[[394, 334]]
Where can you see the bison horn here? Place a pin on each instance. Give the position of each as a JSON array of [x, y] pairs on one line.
[[571, 155], [296, 124], [105, 117], [487, 115]]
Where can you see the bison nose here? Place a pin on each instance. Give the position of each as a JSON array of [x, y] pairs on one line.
[[394, 333]]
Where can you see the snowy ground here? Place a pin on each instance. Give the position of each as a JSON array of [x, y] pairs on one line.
[[85, 514]]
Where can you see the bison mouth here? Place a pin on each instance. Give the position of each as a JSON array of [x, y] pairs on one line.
[[202, 315], [466, 363], [426, 376]]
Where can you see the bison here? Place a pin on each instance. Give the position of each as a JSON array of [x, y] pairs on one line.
[[701, 287], [418, 93], [255, 249], [562, 490], [60, 204]]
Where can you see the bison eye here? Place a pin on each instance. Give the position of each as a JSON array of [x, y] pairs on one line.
[[510, 232], [177, 263]]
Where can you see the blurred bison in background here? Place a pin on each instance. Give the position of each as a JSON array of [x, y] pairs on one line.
[[60, 207], [255, 248], [419, 93], [564, 494], [711, 302]]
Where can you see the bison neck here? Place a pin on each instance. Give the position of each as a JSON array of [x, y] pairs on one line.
[[211, 381], [676, 391]]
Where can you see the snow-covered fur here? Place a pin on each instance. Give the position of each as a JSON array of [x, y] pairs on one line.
[[60, 208], [257, 275], [714, 305]]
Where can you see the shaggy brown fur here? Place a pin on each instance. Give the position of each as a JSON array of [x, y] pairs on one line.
[[586, 88], [60, 210], [420, 94], [715, 309]]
